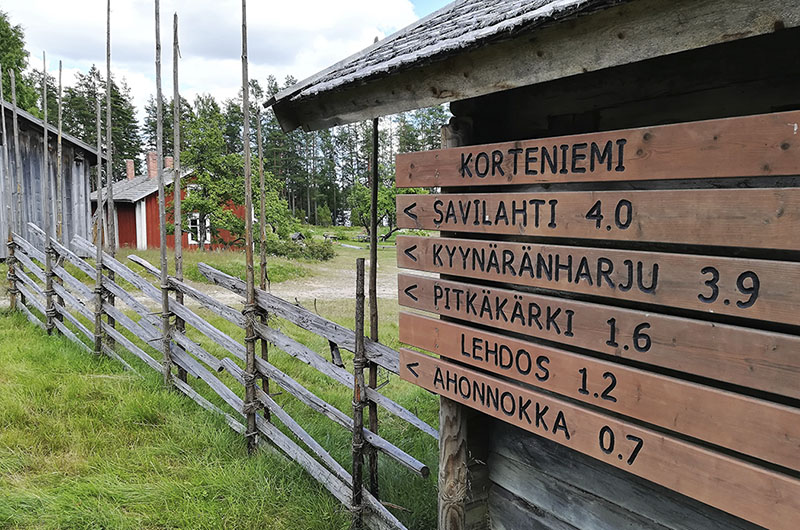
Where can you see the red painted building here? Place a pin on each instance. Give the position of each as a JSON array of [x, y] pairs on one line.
[[136, 201]]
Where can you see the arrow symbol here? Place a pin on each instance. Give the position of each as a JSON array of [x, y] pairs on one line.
[[408, 291], [407, 210], [411, 366], [409, 250]]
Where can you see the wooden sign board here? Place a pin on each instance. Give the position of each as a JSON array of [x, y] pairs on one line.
[[766, 218], [750, 146], [749, 288], [702, 412], [751, 358], [751, 492]]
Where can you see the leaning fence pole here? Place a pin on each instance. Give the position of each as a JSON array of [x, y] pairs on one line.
[[111, 237], [359, 398], [59, 184], [98, 281], [250, 309], [263, 247], [48, 246], [176, 169], [9, 205], [19, 217], [59, 169], [162, 209], [373, 304]]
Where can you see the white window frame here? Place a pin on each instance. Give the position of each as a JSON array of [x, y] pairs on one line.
[[193, 233]]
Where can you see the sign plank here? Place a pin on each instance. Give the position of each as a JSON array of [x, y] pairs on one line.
[[750, 146], [767, 218], [752, 358], [753, 493], [749, 288], [759, 428]]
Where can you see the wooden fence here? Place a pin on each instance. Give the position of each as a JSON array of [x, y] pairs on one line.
[[71, 307]]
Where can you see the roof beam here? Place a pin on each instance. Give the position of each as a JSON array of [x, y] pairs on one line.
[[627, 33]]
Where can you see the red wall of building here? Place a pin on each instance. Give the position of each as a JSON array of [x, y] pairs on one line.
[[153, 230], [126, 216]]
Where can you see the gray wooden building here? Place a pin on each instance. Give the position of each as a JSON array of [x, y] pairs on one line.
[[514, 70], [78, 159]]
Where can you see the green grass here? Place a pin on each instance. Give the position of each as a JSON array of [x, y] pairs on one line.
[[228, 261], [86, 445]]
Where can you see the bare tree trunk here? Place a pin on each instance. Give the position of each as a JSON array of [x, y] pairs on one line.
[[263, 233], [359, 397]]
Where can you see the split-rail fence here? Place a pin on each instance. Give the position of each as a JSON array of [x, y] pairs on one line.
[[70, 303]]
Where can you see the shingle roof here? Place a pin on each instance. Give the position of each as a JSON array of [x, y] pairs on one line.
[[462, 25], [39, 123], [137, 188]]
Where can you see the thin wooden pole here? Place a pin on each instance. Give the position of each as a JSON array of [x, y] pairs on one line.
[[20, 214], [9, 205], [162, 209], [59, 169], [359, 398], [373, 305], [112, 210], [59, 185], [111, 236], [20, 217], [48, 245], [250, 310], [263, 249], [98, 280], [176, 169]]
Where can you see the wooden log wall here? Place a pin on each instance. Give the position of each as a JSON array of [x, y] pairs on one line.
[[535, 256]]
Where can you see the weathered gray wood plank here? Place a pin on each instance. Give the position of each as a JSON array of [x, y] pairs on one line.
[[31, 316], [510, 512], [345, 338]]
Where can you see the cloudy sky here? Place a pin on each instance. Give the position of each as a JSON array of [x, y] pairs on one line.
[[297, 37]]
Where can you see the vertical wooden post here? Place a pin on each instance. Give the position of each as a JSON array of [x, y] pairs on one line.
[[59, 186], [111, 211], [176, 168], [20, 217], [48, 246], [59, 169], [373, 303], [453, 481], [98, 280], [264, 276], [250, 309], [9, 205], [359, 398], [20, 214], [162, 208]]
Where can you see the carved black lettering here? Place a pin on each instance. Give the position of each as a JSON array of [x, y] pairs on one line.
[[523, 362], [465, 162], [567, 267], [597, 157], [536, 203], [540, 412], [653, 278], [437, 255], [561, 425], [523, 409], [508, 263], [578, 155], [501, 215], [482, 157], [534, 312], [438, 380], [451, 213], [604, 269], [550, 160], [551, 319], [523, 211], [530, 160], [464, 211], [515, 151], [624, 287], [542, 373], [583, 272], [504, 399], [564, 153], [621, 155], [543, 267], [437, 208], [497, 163]]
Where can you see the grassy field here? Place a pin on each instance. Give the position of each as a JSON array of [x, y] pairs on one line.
[[86, 445]]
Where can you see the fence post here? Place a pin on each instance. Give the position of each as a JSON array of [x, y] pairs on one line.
[[373, 304], [262, 221], [9, 206], [99, 295], [48, 246], [180, 325], [359, 398]]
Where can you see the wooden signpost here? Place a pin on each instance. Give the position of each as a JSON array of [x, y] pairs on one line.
[[749, 146], [762, 496], [748, 288], [657, 330]]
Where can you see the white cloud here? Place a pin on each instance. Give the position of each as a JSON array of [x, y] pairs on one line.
[[298, 37]]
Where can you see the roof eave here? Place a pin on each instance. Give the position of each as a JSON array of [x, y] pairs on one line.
[[642, 30]]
